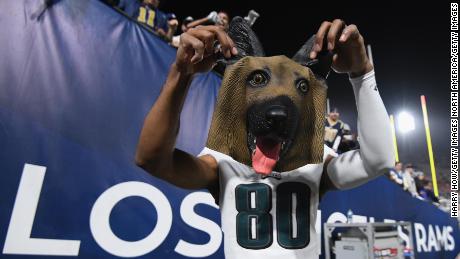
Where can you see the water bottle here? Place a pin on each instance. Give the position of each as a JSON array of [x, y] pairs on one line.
[[350, 216]]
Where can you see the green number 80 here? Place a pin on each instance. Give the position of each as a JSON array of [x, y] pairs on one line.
[[254, 221]]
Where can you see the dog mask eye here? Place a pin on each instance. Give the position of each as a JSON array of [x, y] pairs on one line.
[[302, 86], [258, 79]]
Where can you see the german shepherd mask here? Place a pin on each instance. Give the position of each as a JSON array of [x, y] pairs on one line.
[[270, 110]]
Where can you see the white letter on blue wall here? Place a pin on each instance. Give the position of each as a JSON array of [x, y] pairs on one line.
[[100, 219], [18, 240], [200, 223]]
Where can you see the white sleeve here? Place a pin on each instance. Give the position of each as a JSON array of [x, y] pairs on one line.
[[217, 155], [375, 155], [394, 177], [399, 181]]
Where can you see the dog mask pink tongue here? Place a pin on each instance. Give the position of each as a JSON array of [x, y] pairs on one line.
[[265, 156]]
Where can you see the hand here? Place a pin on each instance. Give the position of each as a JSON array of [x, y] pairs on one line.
[[160, 32], [173, 24], [196, 53], [348, 46], [212, 16]]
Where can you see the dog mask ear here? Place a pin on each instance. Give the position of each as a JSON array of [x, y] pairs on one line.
[[246, 41], [321, 66]]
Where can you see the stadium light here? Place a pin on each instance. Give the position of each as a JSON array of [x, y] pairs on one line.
[[406, 122]]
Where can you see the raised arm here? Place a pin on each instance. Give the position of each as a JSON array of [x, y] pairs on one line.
[[203, 21], [156, 151], [375, 155]]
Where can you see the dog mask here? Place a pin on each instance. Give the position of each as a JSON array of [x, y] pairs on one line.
[[270, 110]]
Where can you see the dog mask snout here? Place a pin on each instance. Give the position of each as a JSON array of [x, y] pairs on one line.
[[277, 117], [276, 114]]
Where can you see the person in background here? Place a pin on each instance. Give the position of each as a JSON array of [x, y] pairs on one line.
[[427, 192], [186, 22], [334, 129], [165, 25], [419, 181], [349, 140], [223, 20], [172, 27], [220, 18], [408, 180], [176, 39], [396, 174]]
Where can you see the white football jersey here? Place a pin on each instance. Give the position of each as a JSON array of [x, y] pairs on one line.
[[271, 217]]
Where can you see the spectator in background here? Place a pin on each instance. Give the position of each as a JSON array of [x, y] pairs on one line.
[[220, 18], [349, 140], [420, 181], [408, 180], [223, 19], [396, 174], [186, 22], [334, 130], [427, 192], [176, 39], [165, 25]]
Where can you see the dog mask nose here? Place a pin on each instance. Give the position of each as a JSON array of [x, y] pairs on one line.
[[276, 114]]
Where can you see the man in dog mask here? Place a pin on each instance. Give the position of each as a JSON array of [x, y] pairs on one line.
[[265, 161]]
